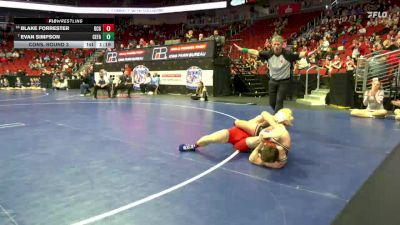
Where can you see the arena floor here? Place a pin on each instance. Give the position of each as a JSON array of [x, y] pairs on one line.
[[66, 159]]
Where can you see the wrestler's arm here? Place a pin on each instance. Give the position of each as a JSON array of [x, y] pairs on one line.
[[255, 157], [269, 118], [264, 117], [278, 131], [274, 165], [258, 119]]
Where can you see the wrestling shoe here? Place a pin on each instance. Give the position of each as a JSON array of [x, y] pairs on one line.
[[187, 147]]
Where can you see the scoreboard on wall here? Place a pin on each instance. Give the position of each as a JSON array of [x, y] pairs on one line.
[[64, 33]]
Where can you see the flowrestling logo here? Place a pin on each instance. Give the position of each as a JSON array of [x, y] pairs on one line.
[[374, 14], [193, 77]]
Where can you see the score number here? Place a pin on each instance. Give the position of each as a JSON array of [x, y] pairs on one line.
[[108, 27], [109, 36], [108, 32]]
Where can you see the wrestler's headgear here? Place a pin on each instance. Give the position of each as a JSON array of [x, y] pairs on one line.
[[268, 152], [284, 116]]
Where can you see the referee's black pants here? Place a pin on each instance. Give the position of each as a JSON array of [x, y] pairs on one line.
[[278, 90]]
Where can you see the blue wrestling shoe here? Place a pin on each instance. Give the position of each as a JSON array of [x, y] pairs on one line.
[[187, 147]]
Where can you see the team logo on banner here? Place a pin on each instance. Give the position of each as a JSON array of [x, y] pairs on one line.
[[139, 74], [159, 53], [111, 57], [193, 76]]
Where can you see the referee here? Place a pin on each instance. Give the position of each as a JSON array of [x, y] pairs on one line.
[[280, 63]]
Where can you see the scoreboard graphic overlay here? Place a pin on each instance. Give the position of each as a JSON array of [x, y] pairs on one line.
[[64, 33]]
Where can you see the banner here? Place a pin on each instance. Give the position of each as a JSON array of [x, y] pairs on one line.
[[181, 51], [193, 77], [139, 74], [288, 8], [188, 78]]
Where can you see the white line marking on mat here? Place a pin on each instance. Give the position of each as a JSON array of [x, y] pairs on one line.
[[10, 125], [154, 196], [8, 215]]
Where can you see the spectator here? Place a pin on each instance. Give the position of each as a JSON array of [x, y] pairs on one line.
[[313, 60], [142, 43], [101, 83], [373, 99], [145, 84], [15, 54], [154, 84], [5, 83], [325, 44], [123, 82], [151, 43], [328, 64], [86, 83], [21, 73], [267, 45], [355, 53], [7, 73], [350, 65], [251, 63], [127, 69], [189, 36], [60, 82], [18, 83], [337, 62], [201, 37], [201, 92]]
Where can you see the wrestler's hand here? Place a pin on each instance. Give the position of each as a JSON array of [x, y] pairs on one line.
[[261, 136]]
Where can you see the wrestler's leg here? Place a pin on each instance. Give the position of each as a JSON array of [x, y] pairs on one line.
[[220, 137], [248, 126], [361, 113], [379, 113]]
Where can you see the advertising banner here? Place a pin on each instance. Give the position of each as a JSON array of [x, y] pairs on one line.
[[183, 78], [182, 51]]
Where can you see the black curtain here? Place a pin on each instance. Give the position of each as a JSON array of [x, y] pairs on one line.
[[341, 90], [222, 81]]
